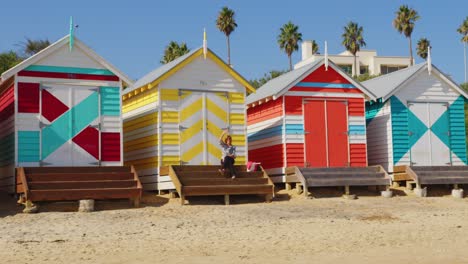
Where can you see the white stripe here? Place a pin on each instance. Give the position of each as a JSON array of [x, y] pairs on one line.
[[277, 121], [141, 111], [295, 139], [357, 119], [170, 150], [276, 140], [294, 119], [150, 171], [136, 133], [357, 139], [131, 155], [43, 80], [320, 94]]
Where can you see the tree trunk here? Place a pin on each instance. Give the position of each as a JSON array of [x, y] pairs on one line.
[[290, 62], [355, 66], [410, 51], [229, 51], [464, 53]]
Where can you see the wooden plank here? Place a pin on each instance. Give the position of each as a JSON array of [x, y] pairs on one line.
[[216, 174], [290, 170], [22, 176], [347, 182], [70, 195], [202, 168], [291, 179], [401, 177], [176, 181], [226, 189], [340, 169], [400, 168], [222, 181], [344, 174], [443, 180], [34, 170], [56, 185], [80, 176], [164, 170]]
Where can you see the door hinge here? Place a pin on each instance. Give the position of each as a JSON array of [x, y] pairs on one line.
[[42, 125], [410, 133], [97, 163], [448, 133], [182, 127], [413, 163], [306, 132], [96, 89], [183, 162], [448, 163], [43, 163], [98, 126], [307, 164]]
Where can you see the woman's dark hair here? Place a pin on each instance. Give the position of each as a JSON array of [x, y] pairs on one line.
[[227, 138]]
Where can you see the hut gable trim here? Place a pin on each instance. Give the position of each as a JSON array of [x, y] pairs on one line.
[[387, 85], [54, 48], [160, 74], [279, 86]]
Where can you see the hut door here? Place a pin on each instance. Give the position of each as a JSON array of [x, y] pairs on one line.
[[69, 125], [326, 133], [202, 117], [429, 134]]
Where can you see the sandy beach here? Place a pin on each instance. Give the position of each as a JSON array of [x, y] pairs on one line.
[[291, 229]]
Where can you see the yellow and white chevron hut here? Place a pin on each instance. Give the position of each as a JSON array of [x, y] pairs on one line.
[[175, 114]]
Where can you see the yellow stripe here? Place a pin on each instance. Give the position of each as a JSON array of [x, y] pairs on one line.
[[240, 160], [170, 160], [170, 117], [237, 119], [190, 154], [238, 140], [216, 110], [236, 98], [190, 110], [169, 94], [215, 151], [140, 122], [142, 99], [170, 139], [141, 143], [191, 131]]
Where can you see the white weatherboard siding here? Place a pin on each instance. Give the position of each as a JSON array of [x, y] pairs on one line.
[[379, 139]]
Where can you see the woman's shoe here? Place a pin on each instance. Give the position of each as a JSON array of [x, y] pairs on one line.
[[233, 177], [221, 171]]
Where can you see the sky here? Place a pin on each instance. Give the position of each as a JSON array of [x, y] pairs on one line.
[[132, 34]]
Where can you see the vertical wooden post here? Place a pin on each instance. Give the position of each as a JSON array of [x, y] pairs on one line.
[[347, 190], [182, 199], [288, 186], [226, 199], [455, 186]]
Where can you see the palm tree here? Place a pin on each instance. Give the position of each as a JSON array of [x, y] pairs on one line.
[[226, 23], [463, 30], [404, 23], [353, 40], [31, 47], [173, 51], [289, 39], [422, 46], [315, 47]]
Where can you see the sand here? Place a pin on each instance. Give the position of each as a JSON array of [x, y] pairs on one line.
[[292, 229]]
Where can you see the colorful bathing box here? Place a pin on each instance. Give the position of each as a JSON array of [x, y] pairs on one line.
[[312, 117], [418, 119], [175, 114], [60, 107]]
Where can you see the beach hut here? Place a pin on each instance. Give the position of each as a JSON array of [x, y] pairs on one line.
[[175, 114], [311, 117], [418, 120], [60, 107]]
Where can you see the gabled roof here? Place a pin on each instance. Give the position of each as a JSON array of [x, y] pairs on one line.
[[281, 84], [387, 85], [158, 75], [57, 45]]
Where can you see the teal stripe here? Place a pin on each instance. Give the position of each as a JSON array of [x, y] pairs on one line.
[[110, 101], [325, 85], [399, 129], [357, 130], [43, 68], [28, 146], [60, 131], [372, 109], [458, 128]]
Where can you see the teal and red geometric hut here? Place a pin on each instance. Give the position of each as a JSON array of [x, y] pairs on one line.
[[313, 116], [60, 107]]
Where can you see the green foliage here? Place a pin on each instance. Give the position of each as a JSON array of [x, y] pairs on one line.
[[353, 38], [315, 47], [405, 20], [31, 47], [226, 23], [365, 77], [257, 83], [463, 30], [173, 51], [8, 60], [464, 86], [422, 46], [289, 39]]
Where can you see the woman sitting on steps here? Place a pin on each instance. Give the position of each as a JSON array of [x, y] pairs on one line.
[[229, 155]]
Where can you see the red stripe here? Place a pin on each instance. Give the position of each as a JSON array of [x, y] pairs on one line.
[[270, 157], [326, 90], [110, 146], [265, 111], [7, 105], [28, 97], [293, 105], [61, 75], [356, 106], [358, 155], [295, 154], [88, 139], [51, 106], [330, 76]]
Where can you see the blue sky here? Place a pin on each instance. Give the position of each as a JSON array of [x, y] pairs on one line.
[[132, 34]]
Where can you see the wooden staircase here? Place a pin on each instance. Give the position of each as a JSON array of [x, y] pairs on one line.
[[438, 174], [78, 183], [206, 180], [345, 176]]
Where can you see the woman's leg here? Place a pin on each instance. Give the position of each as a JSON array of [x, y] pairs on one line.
[[230, 165]]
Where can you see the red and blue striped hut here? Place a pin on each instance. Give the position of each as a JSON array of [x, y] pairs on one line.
[[60, 107], [313, 116]]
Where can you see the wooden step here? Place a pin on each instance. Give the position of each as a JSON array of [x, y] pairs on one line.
[[439, 168], [54, 185], [363, 181], [443, 180], [42, 177], [203, 168], [439, 174], [79, 194], [223, 181], [344, 174], [34, 170], [217, 174], [340, 169], [226, 189]]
